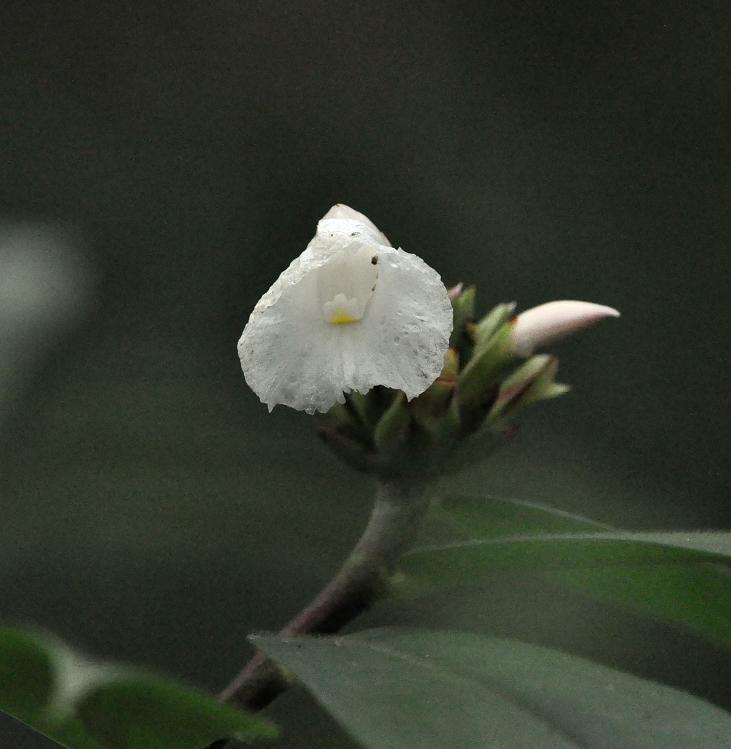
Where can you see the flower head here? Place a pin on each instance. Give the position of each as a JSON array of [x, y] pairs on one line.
[[349, 313]]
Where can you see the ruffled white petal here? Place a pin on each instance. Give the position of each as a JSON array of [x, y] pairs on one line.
[[293, 353]]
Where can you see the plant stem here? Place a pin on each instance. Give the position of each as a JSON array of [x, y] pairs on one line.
[[397, 511]]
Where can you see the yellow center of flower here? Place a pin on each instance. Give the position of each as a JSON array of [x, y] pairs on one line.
[[341, 318], [342, 311], [346, 282]]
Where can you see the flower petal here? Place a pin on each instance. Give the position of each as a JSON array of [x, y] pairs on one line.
[[405, 332], [291, 354], [547, 323], [340, 211]]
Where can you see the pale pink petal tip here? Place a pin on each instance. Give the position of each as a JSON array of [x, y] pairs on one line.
[[550, 322]]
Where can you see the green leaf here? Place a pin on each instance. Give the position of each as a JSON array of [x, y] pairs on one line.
[[431, 690], [464, 560], [697, 597], [636, 571], [141, 711], [495, 517], [26, 674], [33, 688], [84, 705]]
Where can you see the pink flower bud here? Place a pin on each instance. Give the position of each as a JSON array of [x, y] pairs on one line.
[[547, 323], [454, 291]]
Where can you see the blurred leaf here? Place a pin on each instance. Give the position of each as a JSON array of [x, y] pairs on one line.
[[26, 674], [494, 517], [142, 711], [32, 690], [430, 690], [84, 705], [697, 595]]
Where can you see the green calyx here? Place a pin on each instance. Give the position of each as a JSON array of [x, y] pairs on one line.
[[461, 417]]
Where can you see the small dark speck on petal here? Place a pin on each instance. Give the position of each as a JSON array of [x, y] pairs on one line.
[[374, 260], [355, 234]]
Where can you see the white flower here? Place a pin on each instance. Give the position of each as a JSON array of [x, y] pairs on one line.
[[547, 323], [349, 313]]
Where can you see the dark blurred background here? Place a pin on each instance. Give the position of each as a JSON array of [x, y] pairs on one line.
[[161, 163]]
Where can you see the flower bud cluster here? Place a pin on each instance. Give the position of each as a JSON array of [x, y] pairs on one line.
[[490, 374]]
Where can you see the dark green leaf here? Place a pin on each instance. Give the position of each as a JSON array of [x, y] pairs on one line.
[[84, 705], [26, 674], [695, 595], [431, 690], [141, 711], [461, 561]]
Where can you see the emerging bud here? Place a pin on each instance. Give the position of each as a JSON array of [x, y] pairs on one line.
[[547, 323], [454, 292]]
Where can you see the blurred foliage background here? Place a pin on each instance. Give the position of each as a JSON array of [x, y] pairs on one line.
[[162, 162]]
